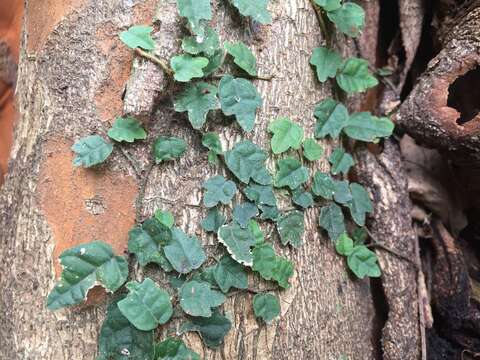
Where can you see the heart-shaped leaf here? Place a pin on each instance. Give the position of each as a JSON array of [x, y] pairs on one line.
[[291, 227], [286, 135], [331, 219], [218, 190], [238, 242], [242, 56], [230, 274], [197, 298], [290, 173], [127, 129], [138, 36], [91, 150], [183, 252], [266, 307], [326, 61]]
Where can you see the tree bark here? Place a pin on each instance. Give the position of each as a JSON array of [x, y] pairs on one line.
[[72, 76]]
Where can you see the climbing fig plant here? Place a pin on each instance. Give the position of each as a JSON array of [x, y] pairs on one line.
[[198, 287]]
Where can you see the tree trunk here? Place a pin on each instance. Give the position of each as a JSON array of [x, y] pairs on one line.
[[72, 78]]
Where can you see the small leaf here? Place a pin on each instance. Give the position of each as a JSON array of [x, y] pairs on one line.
[[365, 127], [184, 253], [146, 306], [331, 219], [146, 248], [269, 212], [197, 299], [290, 173], [195, 11], [247, 161], [291, 227], [286, 135], [230, 274], [165, 217], [174, 349], [256, 9], [198, 99], [212, 329], [271, 266], [363, 262], [326, 61], [215, 61], [242, 213], [349, 18], [342, 193], [354, 76], [212, 142], [238, 242], [323, 185], [168, 148], [260, 194], [328, 5], [127, 129], [360, 204], [186, 67], [254, 227], [208, 44], [266, 306], [341, 161], [331, 118], [311, 150], [302, 198], [91, 150], [242, 56], [344, 245], [84, 266], [385, 71], [359, 235], [240, 98], [138, 36], [218, 190], [213, 221]]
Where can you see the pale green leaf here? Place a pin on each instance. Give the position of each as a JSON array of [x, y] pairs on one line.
[[127, 129], [238, 242], [212, 330], [326, 62], [260, 194], [344, 245], [174, 349], [354, 76], [323, 185], [212, 142], [165, 217], [256, 9], [138, 36], [311, 150], [187, 67], [331, 219], [167, 148], [363, 262], [197, 298], [360, 204], [183, 252], [242, 56], [341, 161], [198, 99], [349, 18], [291, 227], [254, 227], [230, 274], [196, 11], [291, 173], [242, 213], [218, 190], [331, 118], [286, 135], [91, 150], [266, 307], [213, 221], [342, 193], [271, 266], [207, 44], [365, 127], [328, 5], [302, 198]]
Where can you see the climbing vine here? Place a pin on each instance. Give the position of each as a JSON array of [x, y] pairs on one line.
[[200, 290]]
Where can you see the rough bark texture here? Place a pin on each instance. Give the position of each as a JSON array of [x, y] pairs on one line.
[[71, 83]]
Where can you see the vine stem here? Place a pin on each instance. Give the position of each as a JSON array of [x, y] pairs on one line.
[[155, 60], [321, 23], [257, 77], [141, 193], [380, 245]]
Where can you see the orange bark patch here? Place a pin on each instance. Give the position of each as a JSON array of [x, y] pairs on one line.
[[82, 205], [7, 117], [43, 16]]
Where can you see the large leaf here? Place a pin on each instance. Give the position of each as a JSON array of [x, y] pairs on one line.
[[138, 36], [197, 298], [260, 194], [266, 307], [91, 150], [360, 204], [198, 99], [341, 161], [271, 266], [146, 306], [195, 11], [331, 219], [127, 129], [186, 67], [331, 118], [228, 273], [290, 173], [291, 227], [212, 329], [256, 9], [326, 61], [240, 98], [183, 252], [242, 56], [323, 185], [174, 349], [365, 127], [168, 148], [218, 190], [120, 340], [208, 44], [355, 77], [286, 135], [311, 150], [84, 266], [238, 242], [147, 248], [363, 262], [242, 213], [213, 221], [349, 18], [247, 161]]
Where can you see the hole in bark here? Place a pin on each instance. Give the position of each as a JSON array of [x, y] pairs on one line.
[[464, 95], [381, 315]]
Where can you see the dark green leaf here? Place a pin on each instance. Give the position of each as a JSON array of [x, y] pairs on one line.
[[198, 99], [323, 185], [291, 173], [349, 18], [286, 135], [291, 227], [342, 193], [359, 235], [311, 150], [138, 36], [271, 266], [269, 212], [212, 329], [242, 213], [197, 298], [256, 9], [341, 161], [360, 204], [213, 221], [242, 56], [266, 306], [212, 142], [238, 242], [127, 129], [214, 62], [208, 44], [146, 248], [174, 349], [302, 198], [195, 11], [326, 61], [91, 150], [365, 127], [183, 252], [363, 262], [168, 148], [218, 190], [228, 273], [354, 76], [260, 194], [331, 118], [186, 67], [331, 219]]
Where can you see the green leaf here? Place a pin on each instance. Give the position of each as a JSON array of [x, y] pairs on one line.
[[218, 190], [365, 127], [360, 204], [269, 212], [326, 61], [341, 161], [198, 99], [213, 221], [197, 299], [291, 173], [208, 44], [344, 245], [127, 129], [323, 185], [146, 306], [242, 56], [212, 329], [349, 18], [266, 306], [331, 219], [302, 198], [260, 194], [215, 61], [165, 217], [385, 71], [240, 98], [342, 193], [174, 349], [168, 148], [256, 9], [363, 262], [247, 161], [242, 213], [286, 135], [120, 340], [184, 253], [159, 232], [271, 266], [254, 227], [354, 76], [328, 5], [238, 242], [311, 150], [212, 142], [359, 235], [138, 36], [147, 248], [195, 11], [291, 227], [230, 274], [84, 266], [331, 118], [186, 67], [91, 150]]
